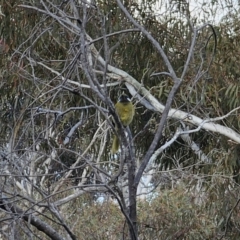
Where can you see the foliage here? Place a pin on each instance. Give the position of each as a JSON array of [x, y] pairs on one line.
[[40, 107], [179, 212]]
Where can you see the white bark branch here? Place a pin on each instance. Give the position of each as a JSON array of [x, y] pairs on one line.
[[208, 124]]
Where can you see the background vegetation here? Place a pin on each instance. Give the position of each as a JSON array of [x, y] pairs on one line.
[[51, 119]]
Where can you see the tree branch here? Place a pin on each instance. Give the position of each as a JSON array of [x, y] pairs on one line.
[[29, 218]]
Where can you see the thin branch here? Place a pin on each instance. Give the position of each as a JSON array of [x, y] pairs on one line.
[[151, 39], [30, 218], [113, 34], [228, 218]]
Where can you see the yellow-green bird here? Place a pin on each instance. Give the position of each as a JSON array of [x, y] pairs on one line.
[[125, 110]]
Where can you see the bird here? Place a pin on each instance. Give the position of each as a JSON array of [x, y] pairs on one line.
[[125, 110]]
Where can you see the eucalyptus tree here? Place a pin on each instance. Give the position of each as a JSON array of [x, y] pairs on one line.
[[64, 64]]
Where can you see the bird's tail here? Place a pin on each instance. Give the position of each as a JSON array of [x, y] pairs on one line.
[[115, 145]]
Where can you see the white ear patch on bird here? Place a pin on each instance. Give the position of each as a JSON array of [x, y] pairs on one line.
[[124, 98]]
